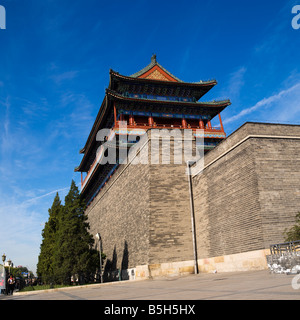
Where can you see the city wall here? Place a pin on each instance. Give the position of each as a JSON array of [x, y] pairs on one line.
[[143, 217], [246, 196]]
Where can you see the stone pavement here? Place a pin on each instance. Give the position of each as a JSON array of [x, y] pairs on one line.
[[255, 285]]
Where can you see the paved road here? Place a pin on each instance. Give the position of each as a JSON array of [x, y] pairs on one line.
[[256, 285]]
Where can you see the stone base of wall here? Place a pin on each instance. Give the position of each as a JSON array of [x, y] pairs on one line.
[[164, 270], [246, 261]]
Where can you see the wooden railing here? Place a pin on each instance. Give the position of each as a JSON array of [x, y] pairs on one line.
[[169, 126]]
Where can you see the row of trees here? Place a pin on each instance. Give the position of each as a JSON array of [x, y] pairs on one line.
[[67, 246], [18, 272]]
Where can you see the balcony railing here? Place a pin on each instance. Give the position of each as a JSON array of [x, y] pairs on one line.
[[168, 126]]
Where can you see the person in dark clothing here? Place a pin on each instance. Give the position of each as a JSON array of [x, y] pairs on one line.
[[11, 284]]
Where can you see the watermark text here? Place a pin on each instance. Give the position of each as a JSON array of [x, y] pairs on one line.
[[173, 146], [296, 19], [296, 282], [2, 17]]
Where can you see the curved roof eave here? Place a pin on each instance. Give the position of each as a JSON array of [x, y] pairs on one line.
[[118, 96], [201, 83], [93, 132]]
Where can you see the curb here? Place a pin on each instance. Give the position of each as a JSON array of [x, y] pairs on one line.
[[74, 287]]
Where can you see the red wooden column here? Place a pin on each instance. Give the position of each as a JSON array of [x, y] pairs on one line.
[[131, 120], [115, 114], [221, 123], [209, 125], [201, 124], [150, 121], [184, 123]]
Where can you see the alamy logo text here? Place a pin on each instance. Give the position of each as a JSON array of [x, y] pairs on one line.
[[2, 17]]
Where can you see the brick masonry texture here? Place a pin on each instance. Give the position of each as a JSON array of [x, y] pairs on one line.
[[243, 202], [143, 215], [247, 198], [170, 222], [120, 212]]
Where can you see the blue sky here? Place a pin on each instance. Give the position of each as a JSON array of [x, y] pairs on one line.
[[55, 58]]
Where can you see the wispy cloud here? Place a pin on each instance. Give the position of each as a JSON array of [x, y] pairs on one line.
[[68, 75], [5, 136], [21, 224], [236, 82], [75, 118], [279, 97], [233, 87], [44, 195], [185, 59]]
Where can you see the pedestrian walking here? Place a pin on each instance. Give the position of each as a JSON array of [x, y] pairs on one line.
[[11, 284]]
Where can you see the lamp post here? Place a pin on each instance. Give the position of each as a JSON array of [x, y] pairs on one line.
[[189, 163], [98, 236], [9, 264]]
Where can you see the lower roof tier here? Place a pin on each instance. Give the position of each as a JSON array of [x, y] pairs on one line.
[[113, 106], [158, 104]]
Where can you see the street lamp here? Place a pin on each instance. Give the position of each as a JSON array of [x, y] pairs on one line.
[[98, 236], [189, 163], [9, 264]]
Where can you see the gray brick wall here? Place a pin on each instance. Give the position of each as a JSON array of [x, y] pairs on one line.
[[243, 202], [146, 206], [246, 199], [278, 170], [227, 206], [120, 212], [170, 222]]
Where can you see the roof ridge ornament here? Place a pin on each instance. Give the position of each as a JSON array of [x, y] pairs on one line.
[[153, 58]]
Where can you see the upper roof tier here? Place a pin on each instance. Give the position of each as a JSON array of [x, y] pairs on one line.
[[149, 72], [158, 81]]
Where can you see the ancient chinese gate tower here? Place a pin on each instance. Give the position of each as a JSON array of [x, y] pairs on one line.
[[151, 98], [246, 194], [142, 211]]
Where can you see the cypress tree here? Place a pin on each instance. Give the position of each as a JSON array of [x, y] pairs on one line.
[[46, 258], [74, 256]]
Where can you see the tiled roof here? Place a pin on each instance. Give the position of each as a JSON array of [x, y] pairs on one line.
[[198, 103], [150, 66]]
